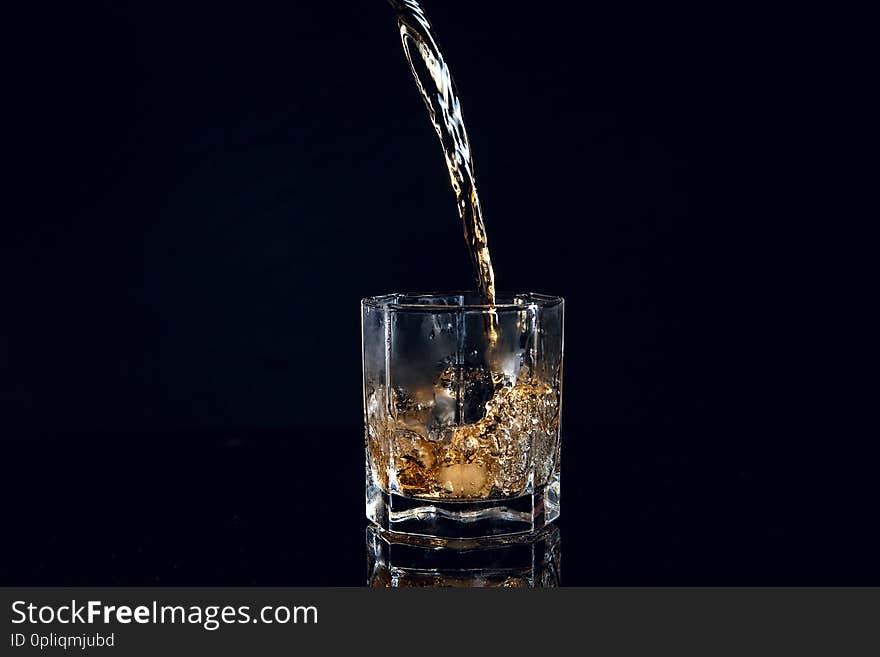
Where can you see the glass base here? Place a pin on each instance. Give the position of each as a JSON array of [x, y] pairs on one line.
[[450, 519]]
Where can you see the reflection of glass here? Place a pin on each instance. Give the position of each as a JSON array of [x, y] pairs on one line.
[[521, 561], [462, 403]]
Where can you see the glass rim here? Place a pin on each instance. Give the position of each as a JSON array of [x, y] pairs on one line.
[[392, 302]]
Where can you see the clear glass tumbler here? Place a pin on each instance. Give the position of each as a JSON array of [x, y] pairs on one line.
[[462, 404]]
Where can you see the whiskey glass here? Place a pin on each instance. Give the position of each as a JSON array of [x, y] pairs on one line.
[[462, 404]]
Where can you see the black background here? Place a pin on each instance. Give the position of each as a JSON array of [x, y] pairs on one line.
[[203, 192]]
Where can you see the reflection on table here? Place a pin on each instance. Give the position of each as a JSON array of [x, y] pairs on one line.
[[522, 561]]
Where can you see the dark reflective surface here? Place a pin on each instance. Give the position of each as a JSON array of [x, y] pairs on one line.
[[529, 561], [639, 508]]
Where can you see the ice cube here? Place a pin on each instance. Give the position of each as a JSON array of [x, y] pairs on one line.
[[464, 480]]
